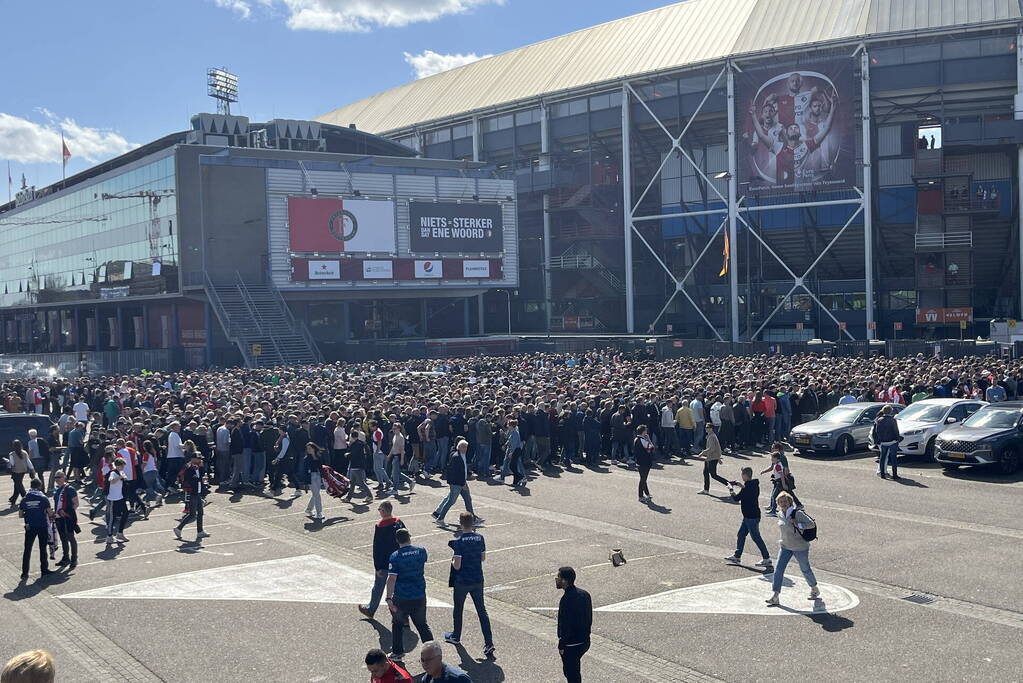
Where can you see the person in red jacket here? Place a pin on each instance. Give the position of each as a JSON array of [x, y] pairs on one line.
[[383, 670]]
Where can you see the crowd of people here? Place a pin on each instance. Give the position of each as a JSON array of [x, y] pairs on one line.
[[125, 444]]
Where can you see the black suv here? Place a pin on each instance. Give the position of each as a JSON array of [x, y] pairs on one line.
[[991, 436]]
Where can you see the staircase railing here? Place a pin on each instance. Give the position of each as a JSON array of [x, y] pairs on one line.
[[298, 325], [265, 330], [225, 321]]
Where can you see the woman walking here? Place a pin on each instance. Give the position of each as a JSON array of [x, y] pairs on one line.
[[20, 464], [711, 457], [151, 474], [642, 453], [313, 464], [792, 523], [396, 454]]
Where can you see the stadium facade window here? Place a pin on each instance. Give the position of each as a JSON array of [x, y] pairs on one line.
[[496, 123], [997, 45], [961, 49], [570, 108], [902, 299], [917, 54], [886, 56], [462, 131], [608, 100], [524, 118], [437, 136], [693, 85], [658, 91]]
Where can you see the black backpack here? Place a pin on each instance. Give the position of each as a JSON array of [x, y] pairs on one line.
[[809, 533]]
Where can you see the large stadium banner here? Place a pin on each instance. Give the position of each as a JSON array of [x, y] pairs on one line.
[[452, 228], [321, 224], [796, 128]]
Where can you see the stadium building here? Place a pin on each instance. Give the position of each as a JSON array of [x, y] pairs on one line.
[[749, 169], [238, 242]]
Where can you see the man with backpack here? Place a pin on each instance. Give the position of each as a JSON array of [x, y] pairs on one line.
[[797, 530]]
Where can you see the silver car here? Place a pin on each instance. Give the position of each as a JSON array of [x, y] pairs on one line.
[[839, 431]]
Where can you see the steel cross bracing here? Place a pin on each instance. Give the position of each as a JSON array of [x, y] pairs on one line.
[[734, 211]]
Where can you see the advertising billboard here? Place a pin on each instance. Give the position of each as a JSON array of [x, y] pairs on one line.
[[323, 224], [451, 228], [324, 270], [797, 128], [377, 270], [430, 269]]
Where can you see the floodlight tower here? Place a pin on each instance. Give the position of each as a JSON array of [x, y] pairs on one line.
[[222, 86]]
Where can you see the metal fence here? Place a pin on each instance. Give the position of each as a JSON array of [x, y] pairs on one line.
[[96, 362]]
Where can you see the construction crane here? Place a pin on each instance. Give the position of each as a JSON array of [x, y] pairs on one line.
[[153, 197]]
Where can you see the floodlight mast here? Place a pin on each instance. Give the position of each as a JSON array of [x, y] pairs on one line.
[[222, 85]]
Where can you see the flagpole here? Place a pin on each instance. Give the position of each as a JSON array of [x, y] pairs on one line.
[[63, 158], [10, 181]]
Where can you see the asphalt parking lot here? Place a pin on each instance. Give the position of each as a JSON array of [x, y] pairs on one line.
[[921, 583]]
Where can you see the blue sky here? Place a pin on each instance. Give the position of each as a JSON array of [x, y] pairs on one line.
[[112, 74]]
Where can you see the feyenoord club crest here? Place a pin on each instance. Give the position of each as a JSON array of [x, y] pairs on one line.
[[342, 225]]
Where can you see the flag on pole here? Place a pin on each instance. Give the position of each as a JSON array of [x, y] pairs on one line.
[[65, 152], [10, 181], [727, 253]]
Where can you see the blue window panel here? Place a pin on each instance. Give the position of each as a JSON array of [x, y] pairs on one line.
[[897, 204]]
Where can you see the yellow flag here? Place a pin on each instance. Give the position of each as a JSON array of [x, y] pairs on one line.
[[726, 254]]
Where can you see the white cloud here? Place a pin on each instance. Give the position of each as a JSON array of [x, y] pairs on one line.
[[364, 15], [26, 141], [428, 62], [240, 7]]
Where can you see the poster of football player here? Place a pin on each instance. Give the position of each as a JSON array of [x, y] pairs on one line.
[[796, 128]]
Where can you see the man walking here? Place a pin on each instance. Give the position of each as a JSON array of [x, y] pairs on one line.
[[35, 509], [748, 498], [193, 485], [470, 552], [434, 668], [385, 543], [886, 436], [456, 472], [406, 592], [575, 617]]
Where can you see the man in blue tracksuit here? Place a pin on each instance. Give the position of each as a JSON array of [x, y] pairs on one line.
[[35, 509]]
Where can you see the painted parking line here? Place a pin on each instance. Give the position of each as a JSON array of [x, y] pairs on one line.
[[101, 537], [196, 549], [514, 547], [435, 533]]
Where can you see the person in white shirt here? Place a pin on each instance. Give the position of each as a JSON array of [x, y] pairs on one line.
[[696, 405], [669, 437], [222, 459], [175, 455], [379, 458], [81, 411], [340, 458], [117, 507]]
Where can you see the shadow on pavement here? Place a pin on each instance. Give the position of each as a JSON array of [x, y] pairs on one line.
[[483, 670], [831, 623]]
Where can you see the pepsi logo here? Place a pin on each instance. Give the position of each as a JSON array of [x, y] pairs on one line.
[[428, 267]]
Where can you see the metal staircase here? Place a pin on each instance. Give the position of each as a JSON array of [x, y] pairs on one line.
[[578, 257], [258, 320]]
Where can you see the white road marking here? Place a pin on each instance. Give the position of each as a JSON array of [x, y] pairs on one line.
[[434, 533], [514, 547], [157, 531], [742, 596], [196, 549], [305, 578]]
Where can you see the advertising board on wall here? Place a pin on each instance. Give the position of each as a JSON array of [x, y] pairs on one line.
[[476, 269], [429, 269], [377, 270], [797, 128], [324, 270], [450, 227], [325, 224]]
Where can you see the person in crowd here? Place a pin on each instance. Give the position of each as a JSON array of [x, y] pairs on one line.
[[357, 459], [65, 505], [385, 542], [642, 453], [383, 670], [193, 483], [395, 460], [575, 618], [19, 464], [36, 511], [791, 524], [456, 472], [885, 433], [469, 552], [781, 478], [711, 456], [748, 497], [117, 504], [313, 466], [406, 592], [431, 656], [35, 666]]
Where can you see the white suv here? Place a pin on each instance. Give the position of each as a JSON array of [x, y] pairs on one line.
[[922, 421]]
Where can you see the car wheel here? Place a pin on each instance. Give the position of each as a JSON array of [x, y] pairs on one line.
[[844, 446], [929, 452], [1010, 461]]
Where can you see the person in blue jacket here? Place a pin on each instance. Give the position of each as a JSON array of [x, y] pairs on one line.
[[35, 510]]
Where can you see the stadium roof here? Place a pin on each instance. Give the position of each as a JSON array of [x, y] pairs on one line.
[[679, 35]]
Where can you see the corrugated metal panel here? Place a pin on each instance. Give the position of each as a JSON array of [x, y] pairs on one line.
[[650, 42], [889, 141], [991, 166], [671, 191], [895, 172]]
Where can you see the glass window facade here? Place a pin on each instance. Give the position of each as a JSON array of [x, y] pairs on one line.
[[66, 248]]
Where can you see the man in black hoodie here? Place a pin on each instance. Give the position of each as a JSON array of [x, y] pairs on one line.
[[748, 498], [575, 618], [384, 543]]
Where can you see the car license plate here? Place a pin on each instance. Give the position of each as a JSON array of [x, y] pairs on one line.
[[961, 456], [802, 440]]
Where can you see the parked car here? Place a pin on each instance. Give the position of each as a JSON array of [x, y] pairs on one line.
[[991, 436], [839, 431], [15, 426], [922, 421]]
